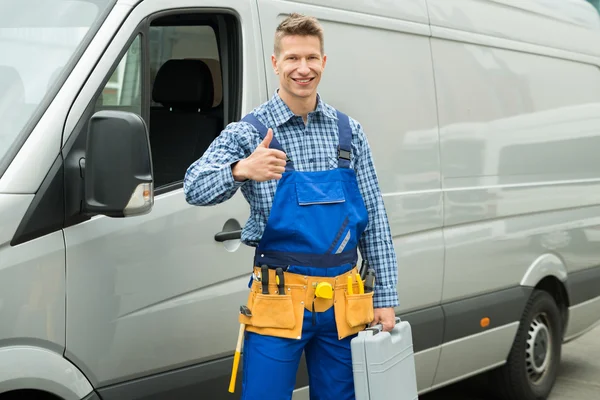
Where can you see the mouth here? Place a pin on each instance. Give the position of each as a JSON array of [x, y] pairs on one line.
[[304, 81]]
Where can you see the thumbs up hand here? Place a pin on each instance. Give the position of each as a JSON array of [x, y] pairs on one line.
[[267, 141], [263, 164]]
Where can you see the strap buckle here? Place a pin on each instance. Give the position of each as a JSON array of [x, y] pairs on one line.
[[343, 154]]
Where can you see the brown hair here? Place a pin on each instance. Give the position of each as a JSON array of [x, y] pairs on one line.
[[298, 24]]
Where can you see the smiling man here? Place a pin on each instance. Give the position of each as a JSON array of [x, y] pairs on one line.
[[306, 170]]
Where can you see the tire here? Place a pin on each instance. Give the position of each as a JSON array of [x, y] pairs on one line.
[[530, 371], [28, 394]]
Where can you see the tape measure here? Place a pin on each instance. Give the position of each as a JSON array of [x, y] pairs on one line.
[[324, 290]]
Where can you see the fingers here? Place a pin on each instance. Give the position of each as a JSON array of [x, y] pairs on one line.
[[278, 162], [388, 326], [386, 318], [278, 153]]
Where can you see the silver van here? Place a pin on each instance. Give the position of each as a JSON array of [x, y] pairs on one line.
[[484, 120]]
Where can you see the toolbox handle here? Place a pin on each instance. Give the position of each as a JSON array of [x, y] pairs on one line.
[[379, 327]]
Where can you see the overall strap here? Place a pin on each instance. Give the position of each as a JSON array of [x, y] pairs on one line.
[[262, 130], [345, 134]]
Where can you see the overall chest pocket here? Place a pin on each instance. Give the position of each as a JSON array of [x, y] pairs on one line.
[[323, 217], [312, 193]]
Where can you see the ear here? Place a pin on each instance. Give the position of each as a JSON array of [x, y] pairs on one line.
[[324, 60], [274, 62]]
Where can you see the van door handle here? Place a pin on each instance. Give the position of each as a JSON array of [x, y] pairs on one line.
[[228, 235]]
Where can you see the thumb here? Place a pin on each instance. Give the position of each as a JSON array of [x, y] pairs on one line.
[[267, 141]]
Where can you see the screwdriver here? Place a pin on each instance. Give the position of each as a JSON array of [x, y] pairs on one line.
[[280, 281]]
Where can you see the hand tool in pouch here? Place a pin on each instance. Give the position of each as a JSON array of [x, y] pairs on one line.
[[361, 286], [350, 283], [280, 281], [370, 281], [265, 279], [238, 349], [363, 269]]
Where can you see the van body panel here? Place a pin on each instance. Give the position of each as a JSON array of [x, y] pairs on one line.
[[141, 300], [518, 165], [572, 26], [503, 307], [407, 10], [41, 369], [584, 285], [426, 363], [510, 163], [582, 318], [12, 210], [145, 294], [545, 266], [210, 379], [32, 292], [577, 12], [491, 348], [44, 142]]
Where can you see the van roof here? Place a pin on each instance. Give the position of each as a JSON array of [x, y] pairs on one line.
[[577, 12]]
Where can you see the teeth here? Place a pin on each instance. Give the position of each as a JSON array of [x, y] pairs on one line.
[[303, 80]]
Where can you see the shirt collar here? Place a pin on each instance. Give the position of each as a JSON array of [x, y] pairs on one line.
[[282, 113]]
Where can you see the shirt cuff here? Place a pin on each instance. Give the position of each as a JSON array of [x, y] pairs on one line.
[[385, 297], [229, 179]]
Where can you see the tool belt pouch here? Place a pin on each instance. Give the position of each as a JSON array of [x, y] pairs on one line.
[[273, 311], [354, 312], [359, 309], [275, 314]]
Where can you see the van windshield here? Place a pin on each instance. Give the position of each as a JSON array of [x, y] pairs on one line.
[[38, 40]]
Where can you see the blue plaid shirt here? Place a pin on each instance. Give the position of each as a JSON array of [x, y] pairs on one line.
[[209, 180]]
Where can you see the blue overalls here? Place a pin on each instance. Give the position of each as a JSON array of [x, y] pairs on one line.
[[314, 227]]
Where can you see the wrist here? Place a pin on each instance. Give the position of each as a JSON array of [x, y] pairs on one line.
[[238, 171]]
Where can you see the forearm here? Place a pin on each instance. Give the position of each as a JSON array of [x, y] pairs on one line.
[[209, 180], [206, 185]]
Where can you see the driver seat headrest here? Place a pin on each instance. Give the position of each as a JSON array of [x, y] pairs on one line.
[[184, 85]]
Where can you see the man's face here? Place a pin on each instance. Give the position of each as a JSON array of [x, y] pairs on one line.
[[299, 65]]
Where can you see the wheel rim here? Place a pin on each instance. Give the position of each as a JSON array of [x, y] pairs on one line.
[[539, 348]]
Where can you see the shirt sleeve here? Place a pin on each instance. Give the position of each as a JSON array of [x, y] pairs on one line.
[[209, 180], [376, 245]]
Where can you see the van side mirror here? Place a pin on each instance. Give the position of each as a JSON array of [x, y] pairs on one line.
[[118, 165]]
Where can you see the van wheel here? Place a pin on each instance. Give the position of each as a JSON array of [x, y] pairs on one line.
[[532, 365]]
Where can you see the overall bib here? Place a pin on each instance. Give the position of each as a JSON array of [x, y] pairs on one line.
[[310, 240]]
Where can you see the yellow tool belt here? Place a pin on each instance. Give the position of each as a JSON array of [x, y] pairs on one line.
[[282, 315]]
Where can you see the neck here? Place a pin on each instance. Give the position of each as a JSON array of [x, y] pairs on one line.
[[299, 105]]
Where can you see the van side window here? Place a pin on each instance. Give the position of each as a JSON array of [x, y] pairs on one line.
[[181, 74], [123, 91], [185, 110]]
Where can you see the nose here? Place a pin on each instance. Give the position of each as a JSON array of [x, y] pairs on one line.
[[303, 67]]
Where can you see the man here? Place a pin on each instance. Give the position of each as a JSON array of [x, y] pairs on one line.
[[306, 171]]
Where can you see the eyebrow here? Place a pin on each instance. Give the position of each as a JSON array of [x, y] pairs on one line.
[[309, 55]]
